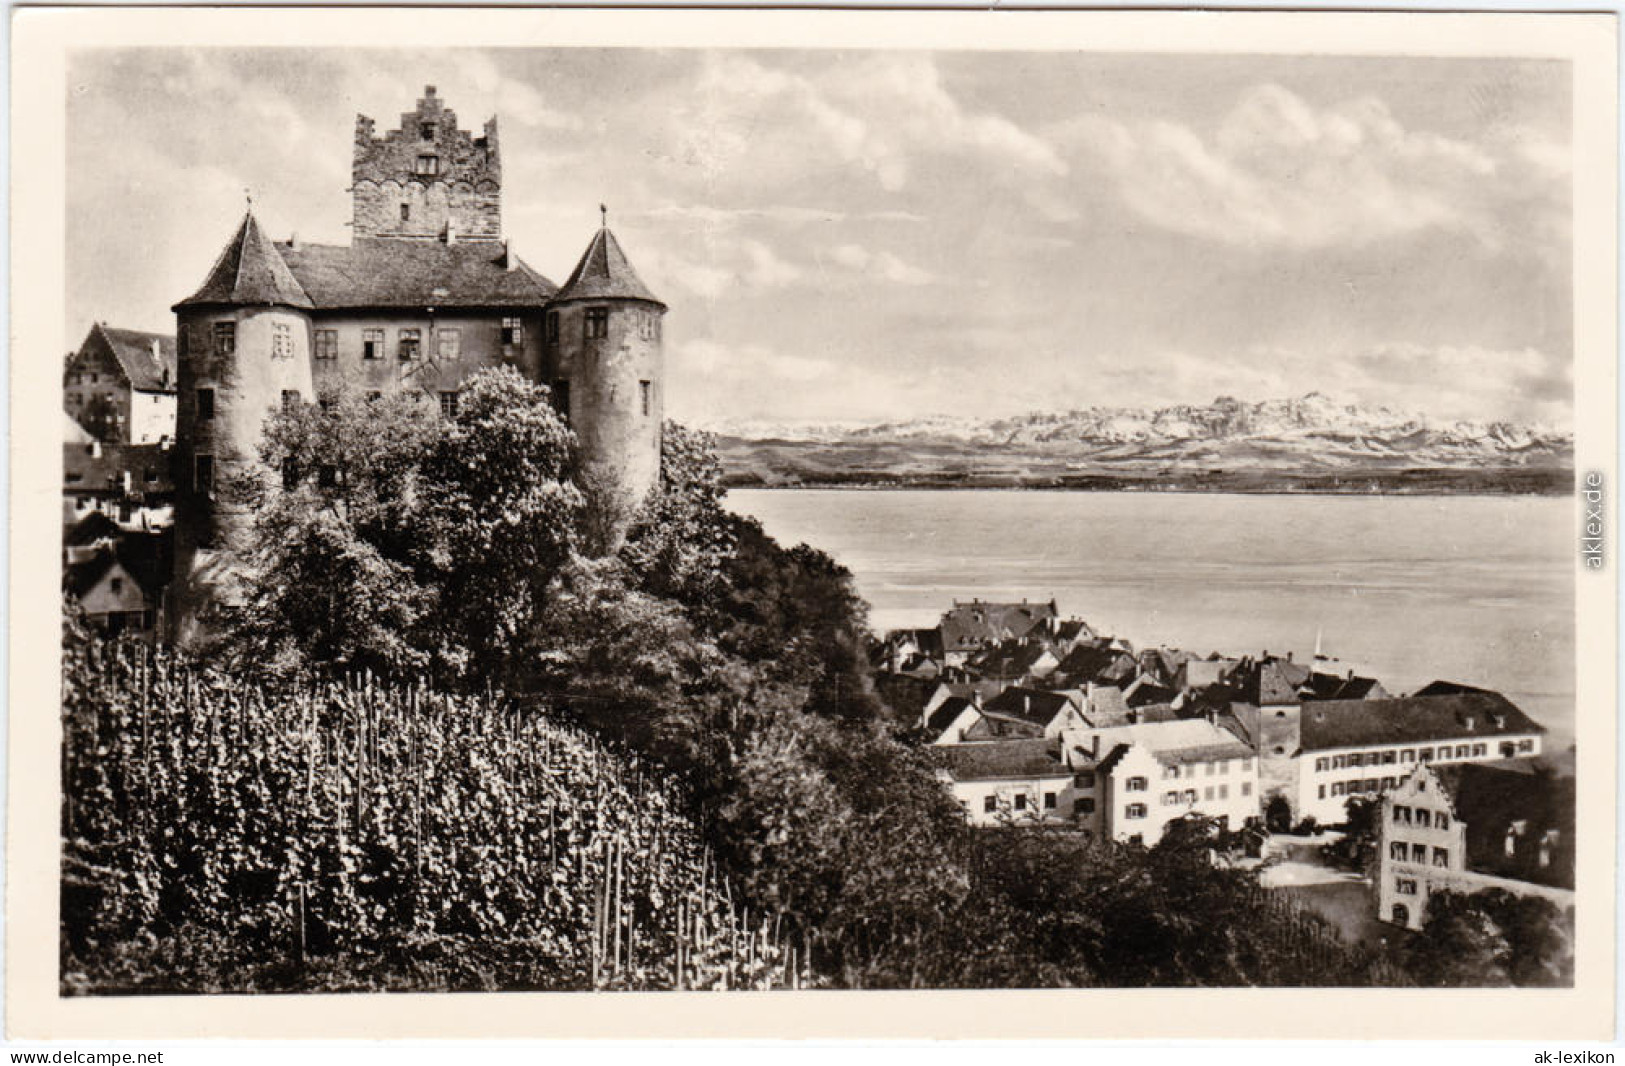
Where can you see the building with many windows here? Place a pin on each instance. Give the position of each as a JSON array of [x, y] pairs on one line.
[[427, 292]]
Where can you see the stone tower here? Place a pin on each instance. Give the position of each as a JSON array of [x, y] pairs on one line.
[[243, 347], [428, 179], [603, 333]]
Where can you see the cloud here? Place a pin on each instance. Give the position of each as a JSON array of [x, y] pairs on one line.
[[723, 266], [879, 114], [876, 266], [1280, 172], [711, 382]]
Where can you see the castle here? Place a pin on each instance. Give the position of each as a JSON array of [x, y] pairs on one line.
[[427, 292]]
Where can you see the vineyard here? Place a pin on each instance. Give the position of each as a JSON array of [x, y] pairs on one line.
[[222, 835]]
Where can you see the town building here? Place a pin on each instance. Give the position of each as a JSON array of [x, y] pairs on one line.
[[1018, 781], [128, 483], [427, 292], [120, 385], [1422, 849]]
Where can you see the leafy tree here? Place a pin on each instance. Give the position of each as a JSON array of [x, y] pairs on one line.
[[388, 537], [1459, 946], [680, 539], [1356, 849]]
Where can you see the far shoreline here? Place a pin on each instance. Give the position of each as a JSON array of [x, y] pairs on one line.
[[874, 486]]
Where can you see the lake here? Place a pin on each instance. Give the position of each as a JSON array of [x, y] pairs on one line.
[[1478, 589]]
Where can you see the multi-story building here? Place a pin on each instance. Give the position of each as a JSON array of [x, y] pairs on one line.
[[427, 292], [120, 386], [1422, 849], [1014, 781], [1142, 777], [1349, 748]]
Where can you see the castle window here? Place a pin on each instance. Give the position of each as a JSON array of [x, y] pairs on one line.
[[448, 404], [290, 399], [596, 320], [372, 344], [552, 326], [410, 340], [327, 344], [406, 212], [281, 341], [205, 405], [561, 396], [450, 342], [426, 131], [646, 397], [428, 165], [203, 475], [225, 340], [327, 476]]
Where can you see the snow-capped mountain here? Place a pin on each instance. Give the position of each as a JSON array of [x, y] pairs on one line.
[[1307, 424]]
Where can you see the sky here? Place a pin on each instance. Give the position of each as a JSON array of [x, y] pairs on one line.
[[877, 235]]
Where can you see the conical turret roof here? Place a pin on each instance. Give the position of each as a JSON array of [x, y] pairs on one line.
[[604, 274], [249, 272]]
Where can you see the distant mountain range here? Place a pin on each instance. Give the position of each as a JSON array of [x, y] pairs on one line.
[[1307, 443]]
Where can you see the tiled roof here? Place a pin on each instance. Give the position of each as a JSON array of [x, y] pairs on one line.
[[1331, 724], [943, 717], [249, 272], [389, 273], [1000, 759], [1181, 740], [142, 557], [970, 625], [1029, 704], [1276, 684], [1086, 663], [1009, 659], [99, 468], [147, 359], [88, 530], [604, 273]]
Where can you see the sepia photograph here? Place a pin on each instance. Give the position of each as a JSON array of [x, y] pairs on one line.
[[872, 515]]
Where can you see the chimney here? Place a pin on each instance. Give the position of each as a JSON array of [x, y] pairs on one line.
[[451, 232], [293, 241], [1289, 656], [509, 260]]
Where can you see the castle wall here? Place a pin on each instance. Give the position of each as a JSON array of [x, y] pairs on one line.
[[616, 386], [269, 356], [480, 344], [474, 210]]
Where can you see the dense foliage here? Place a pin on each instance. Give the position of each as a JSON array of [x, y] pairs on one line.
[[390, 538], [1490, 938], [222, 834]]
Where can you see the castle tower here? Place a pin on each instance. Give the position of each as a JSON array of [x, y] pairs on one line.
[[604, 352], [427, 180], [243, 346]]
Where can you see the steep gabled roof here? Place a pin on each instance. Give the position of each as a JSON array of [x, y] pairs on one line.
[[387, 273], [250, 272], [1036, 706], [146, 359], [604, 274]]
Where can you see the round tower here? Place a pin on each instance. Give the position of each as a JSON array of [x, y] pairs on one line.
[[606, 368], [244, 349]]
